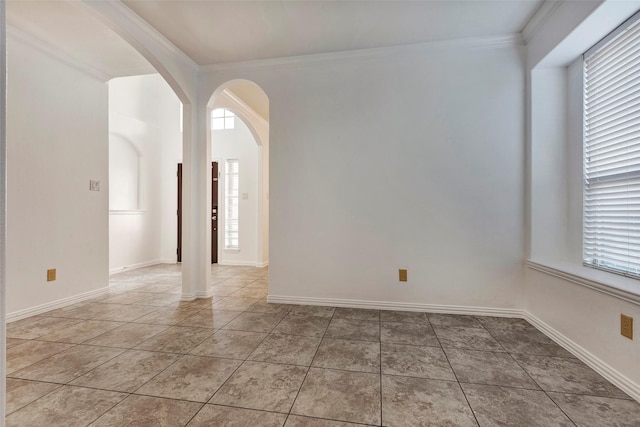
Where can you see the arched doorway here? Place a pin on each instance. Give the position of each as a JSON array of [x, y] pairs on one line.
[[245, 105]]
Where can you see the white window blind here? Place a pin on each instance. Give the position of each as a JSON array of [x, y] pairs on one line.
[[231, 218], [611, 239]]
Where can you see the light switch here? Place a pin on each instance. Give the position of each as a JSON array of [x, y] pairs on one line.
[[245, 196], [94, 185]]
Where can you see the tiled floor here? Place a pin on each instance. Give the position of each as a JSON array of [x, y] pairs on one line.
[[139, 357]]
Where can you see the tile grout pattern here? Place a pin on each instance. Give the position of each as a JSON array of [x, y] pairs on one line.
[[139, 356]]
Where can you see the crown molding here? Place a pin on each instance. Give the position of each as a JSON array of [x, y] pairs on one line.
[[244, 108], [478, 43], [539, 18], [55, 53], [120, 8]]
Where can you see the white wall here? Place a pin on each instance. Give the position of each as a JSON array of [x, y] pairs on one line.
[[57, 141], [412, 160], [579, 305], [238, 143], [145, 145]]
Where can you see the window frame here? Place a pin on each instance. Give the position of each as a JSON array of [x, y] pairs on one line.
[[596, 245]]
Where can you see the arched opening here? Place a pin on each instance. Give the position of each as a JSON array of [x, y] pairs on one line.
[[238, 134], [145, 144]]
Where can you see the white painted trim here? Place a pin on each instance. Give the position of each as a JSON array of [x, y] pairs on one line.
[[539, 18], [150, 31], [244, 108], [583, 281], [204, 294], [262, 264], [476, 43], [39, 309], [116, 270], [604, 369], [400, 306], [55, 53]]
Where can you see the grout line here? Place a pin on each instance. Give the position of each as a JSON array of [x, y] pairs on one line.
[[534, 381], [310, 363], [457, 380]]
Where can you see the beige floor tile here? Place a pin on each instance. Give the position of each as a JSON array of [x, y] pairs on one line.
[[591, 411], [67, 365], [262, 386], [310, 326], [454, 320], [423, 402], [340, 395], [128, 371], [67, 406], [312, 310], [146, 411], [298, 421], [193, 378], [288, 349], [566, 375], [506, 406], [408, 333], [416, 361], [211, 319], [359, 314], [81, 331], [12, 342], [128, 335], [168, 316], [403, 316], [489, 368], [215, 415], [254, 322], [231, 344], [354, 330], [35, 327], [349, 355], [30, 352], [466, 338], [232, 303], [22, 392], [176, 339]]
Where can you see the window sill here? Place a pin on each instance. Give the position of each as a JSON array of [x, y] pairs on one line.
[[624, 288], [232, 249]]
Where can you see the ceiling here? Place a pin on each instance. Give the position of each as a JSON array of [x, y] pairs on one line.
[[213, 32], [76, 36]]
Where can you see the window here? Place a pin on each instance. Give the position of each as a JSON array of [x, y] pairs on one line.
[[611, 233], [222, 119], [232, 188]]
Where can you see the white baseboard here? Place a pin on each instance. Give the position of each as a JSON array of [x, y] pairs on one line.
[[39, 309], [400, 306], [139, 265], [262, 264], [242, 263], [604, 369]]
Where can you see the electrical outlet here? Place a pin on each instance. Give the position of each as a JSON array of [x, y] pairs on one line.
[[402, 275], [51, 275], [626, 326]]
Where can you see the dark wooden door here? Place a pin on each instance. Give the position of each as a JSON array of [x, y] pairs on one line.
[[214, 212], [179, 212]]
